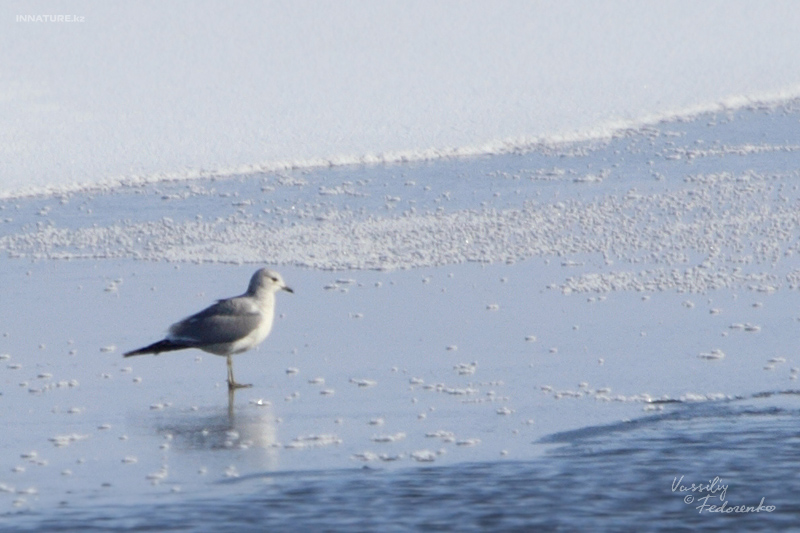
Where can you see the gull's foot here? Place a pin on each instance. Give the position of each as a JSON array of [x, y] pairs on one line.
[[233, 385]]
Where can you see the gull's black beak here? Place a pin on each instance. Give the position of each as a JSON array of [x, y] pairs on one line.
[[287, 289]]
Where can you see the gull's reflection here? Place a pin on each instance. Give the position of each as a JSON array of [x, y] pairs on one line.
[[245, 427]]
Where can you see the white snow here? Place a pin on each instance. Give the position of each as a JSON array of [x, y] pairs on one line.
[[143, 91]]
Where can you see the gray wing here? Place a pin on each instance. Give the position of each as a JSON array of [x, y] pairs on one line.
[[225, 321]]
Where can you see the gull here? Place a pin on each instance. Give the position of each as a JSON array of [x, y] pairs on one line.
[[230, 326]]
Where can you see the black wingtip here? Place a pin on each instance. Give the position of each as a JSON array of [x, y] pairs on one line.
[[156, 348]]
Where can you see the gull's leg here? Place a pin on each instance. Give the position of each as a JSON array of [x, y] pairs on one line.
[[231, 382]]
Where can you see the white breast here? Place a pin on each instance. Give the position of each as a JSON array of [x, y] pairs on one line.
[[267, 310]]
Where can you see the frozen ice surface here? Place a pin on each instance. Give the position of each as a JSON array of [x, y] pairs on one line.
[[611, 301], [674, 211]]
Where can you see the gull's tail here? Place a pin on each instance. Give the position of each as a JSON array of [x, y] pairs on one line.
[[157, 347]]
